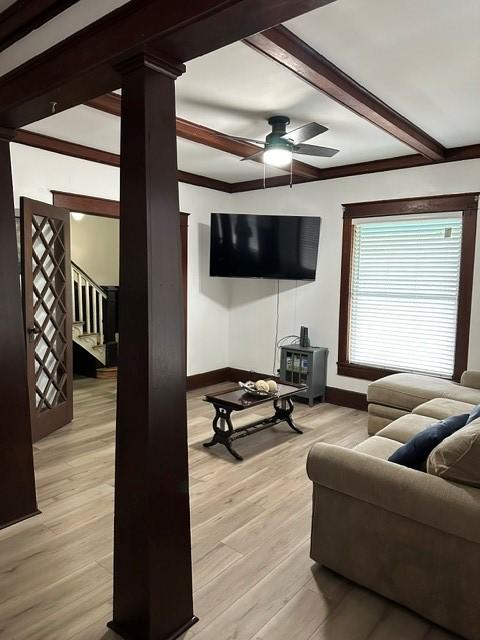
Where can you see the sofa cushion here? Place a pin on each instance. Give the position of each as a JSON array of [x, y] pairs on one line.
[[415, 452], [403, 429], [408, 390], [441, 408], [378, 447], [457, 458]]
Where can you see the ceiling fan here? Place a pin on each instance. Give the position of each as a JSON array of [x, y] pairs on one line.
[[281, 145]]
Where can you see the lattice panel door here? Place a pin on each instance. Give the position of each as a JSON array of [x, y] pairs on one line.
[[46, 273]]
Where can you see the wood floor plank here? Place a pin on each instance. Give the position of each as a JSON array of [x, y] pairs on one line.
[[253, 577], [265, 599]]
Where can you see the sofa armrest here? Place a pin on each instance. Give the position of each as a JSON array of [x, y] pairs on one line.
[[471, 379], [425, 498]]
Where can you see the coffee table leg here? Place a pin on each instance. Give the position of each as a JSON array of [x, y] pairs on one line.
[[223, 431], [283, 412]]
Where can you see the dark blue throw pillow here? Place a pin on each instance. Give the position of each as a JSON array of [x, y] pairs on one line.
[[474, 414], [415, 452]]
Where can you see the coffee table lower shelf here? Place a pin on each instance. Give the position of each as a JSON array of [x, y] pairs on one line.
[[225, 434]]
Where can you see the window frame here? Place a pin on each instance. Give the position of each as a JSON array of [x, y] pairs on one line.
[[467, 203]]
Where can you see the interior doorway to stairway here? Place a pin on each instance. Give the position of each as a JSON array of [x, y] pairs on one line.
[[95, 293], [71, 286]]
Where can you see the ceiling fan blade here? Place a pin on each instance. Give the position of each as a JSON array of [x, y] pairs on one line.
[[238, 139], [305, 132], [255, 155], [313, 150]]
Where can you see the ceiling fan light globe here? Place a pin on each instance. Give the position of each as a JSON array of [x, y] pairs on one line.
[[277, 157]]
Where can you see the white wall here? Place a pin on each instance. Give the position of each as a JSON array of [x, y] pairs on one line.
[[95, 247], [37, 172], [232, 322], [316, 304]]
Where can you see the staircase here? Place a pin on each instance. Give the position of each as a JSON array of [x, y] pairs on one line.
[[88, 326]]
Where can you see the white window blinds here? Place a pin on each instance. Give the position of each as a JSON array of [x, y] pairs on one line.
[[404, 292]]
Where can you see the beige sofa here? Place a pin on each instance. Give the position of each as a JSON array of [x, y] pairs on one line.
[[394, 396], [408, 535]]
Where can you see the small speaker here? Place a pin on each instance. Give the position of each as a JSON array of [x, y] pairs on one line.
[[304, 339]]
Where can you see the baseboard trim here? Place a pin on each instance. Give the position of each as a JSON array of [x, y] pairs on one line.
[[242, 375], [340, 397], [208, 378], [346, 398]]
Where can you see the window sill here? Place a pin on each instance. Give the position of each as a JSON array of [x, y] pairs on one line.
[[366, 372], [363, 372]]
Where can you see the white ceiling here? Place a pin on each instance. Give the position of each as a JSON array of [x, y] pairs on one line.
[[422, 57], [68, 22]]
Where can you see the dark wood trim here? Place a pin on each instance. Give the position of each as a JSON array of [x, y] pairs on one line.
[[74, 150], [363, 372], [90, 57], [341, 397], [345, 279], [203, 181], [208, 378], [346, 398], [16, 457], [405, 206], [465, 202], [23, 16], [112, 103], [65, 148], [456, 154], [284, 47], [108, 103], [87, 204], [242, 375], [467, 266]]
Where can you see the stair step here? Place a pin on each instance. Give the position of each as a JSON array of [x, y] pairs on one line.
[[98, 346], [79, 322]]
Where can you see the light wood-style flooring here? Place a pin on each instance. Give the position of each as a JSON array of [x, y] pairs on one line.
[[253, 576]]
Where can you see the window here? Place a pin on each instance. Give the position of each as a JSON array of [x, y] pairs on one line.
[[407, 271]]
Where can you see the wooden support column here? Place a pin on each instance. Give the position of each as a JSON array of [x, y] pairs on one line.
[[152, 549], [17, 480]]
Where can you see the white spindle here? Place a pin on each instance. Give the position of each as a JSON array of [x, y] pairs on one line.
[[80, 299], [94, 302], [87, 307], [92, 296]]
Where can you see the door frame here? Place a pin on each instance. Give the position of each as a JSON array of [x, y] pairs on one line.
[[106, 208]]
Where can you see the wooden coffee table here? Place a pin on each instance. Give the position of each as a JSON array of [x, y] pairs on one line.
[[237, 399]]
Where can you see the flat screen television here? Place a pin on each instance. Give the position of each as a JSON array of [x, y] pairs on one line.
[[264, 246]]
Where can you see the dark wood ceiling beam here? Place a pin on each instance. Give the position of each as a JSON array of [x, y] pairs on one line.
[[456, 154], [23, 16], [47, 143], [284, 47], [112, 103], [86, 64]]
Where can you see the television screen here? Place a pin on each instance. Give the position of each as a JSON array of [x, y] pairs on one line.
[[264, 246]]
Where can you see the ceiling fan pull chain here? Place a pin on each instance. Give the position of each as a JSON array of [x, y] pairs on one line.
[[291, 172], [264, 176]]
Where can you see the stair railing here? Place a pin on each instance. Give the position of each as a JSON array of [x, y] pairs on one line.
[[88, 299]]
